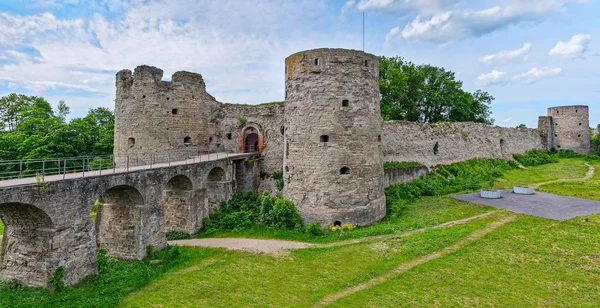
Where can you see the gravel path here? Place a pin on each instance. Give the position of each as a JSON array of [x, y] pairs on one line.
[[275, 247], [278, 247]]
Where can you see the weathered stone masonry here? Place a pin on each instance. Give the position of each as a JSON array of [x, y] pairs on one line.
[[330, 121], [49, 225], [333, 168], [328, 139]]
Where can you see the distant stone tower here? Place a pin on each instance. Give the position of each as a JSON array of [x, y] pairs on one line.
[[570, 128], [158, 120], [333, 166]]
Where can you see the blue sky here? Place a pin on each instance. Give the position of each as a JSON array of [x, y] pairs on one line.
[[530, 55]]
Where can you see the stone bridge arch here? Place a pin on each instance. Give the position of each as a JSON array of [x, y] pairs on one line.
[[218, 188], [119, 222], [26, 244], [180, 207]]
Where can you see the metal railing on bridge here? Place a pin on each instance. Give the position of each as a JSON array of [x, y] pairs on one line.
[[102, 164]]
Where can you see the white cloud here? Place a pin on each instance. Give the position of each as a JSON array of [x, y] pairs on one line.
[[454, 25], [494, 77], [393, 32], [506, 120], [535, 74], [574, 47], [506, 55], [405, 5], [349, 5], [238, 46]]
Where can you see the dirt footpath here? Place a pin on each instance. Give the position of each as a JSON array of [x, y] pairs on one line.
[[274, 247]]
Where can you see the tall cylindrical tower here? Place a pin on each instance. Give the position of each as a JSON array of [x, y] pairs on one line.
[[571, 128], [333, 166]]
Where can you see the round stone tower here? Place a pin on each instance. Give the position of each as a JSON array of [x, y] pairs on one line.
[[333, 166], [571, 128]]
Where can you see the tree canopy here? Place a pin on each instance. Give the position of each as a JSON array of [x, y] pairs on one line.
[[425, 93], [32, 129]]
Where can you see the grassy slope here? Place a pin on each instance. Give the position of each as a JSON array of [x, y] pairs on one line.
[[428, 211], [589, 189], [565, 169], [562, 253], [530, 262], [115, 281], [299, 279]]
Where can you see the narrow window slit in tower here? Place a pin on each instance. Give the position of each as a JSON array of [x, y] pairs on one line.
[[229, 136], [324, 138], [131, 142], [175, 111], [366, 62], [345, 103], [316, 61], [345, 170], [187, 140]]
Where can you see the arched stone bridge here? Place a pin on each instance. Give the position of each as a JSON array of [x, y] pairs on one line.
[[48, 224]]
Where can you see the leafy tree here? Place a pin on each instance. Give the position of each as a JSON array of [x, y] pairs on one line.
[[11, 107], [63, 109], [425, 93], [522, 126], [33, 130]]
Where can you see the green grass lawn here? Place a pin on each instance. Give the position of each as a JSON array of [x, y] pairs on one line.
[[588, 189], [566, 169], [429, 211], [527, 262], [300, 279]]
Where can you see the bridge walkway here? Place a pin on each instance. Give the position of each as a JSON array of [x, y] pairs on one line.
[[103, 172]]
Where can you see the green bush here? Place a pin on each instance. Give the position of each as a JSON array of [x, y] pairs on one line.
[[266, 206], [278, 177], [314, 228], [400, 165], [243, 212], [596, 144], [536, 158], [285, 215], [56, 279], [174, 235], [446, 179]]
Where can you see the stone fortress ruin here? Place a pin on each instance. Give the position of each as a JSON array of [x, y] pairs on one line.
[[328, 137], [327, 140]]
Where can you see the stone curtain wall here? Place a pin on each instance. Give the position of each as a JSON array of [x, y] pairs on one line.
[[409, 141], [398, 176], [332, 158], [269, 121], [571, 128]]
